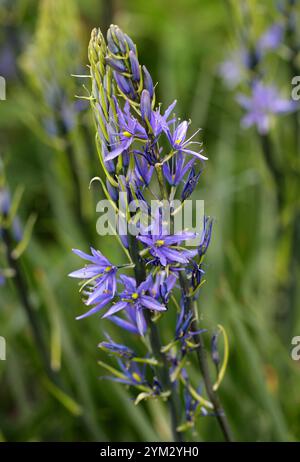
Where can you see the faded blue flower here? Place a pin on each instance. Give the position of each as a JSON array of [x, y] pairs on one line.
[[233, 70], [272, 38], [264, 102]]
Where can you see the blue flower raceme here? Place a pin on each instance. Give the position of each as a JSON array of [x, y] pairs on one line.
[[145, 153], [264, 102]]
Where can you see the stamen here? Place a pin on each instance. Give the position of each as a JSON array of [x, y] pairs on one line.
[[136, 377]]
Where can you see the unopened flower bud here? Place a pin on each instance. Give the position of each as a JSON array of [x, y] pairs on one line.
[[148, 83], [135, 67], [116, 64], [146, 105], [125, 85]]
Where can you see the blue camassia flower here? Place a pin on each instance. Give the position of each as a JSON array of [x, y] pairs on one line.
[[131, 374], [101, 280], [176, 168], [130, 130], [163, 285], [116, 348], [183, 331], [165, 247], [272, 38], [190, 184], [205, 236], [234, 69], [190, 406], [143, 171], [264, 102], [157, 122], [130, 322], [134, 297], [5, 206], [160, 290], [178, 140]]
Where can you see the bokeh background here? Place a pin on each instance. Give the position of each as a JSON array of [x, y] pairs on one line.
[[48, 156]]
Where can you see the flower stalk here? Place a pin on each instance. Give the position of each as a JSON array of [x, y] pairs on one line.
[[22, 290], [203, 365]]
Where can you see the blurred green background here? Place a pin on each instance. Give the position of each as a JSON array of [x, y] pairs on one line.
[[182, 43]]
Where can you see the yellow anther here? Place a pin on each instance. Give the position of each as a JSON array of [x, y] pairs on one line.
[[127, 134], [178, 141], [136, 377], [135, 295], [159, 242], [108, 269]]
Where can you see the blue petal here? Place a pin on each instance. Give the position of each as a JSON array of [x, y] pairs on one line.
[[151, 303], [115, 308], [96, 308]]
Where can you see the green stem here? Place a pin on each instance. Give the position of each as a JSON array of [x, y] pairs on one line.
[[287, 292], [203, 364], [161, 182], [33, 320], [268, 153]]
